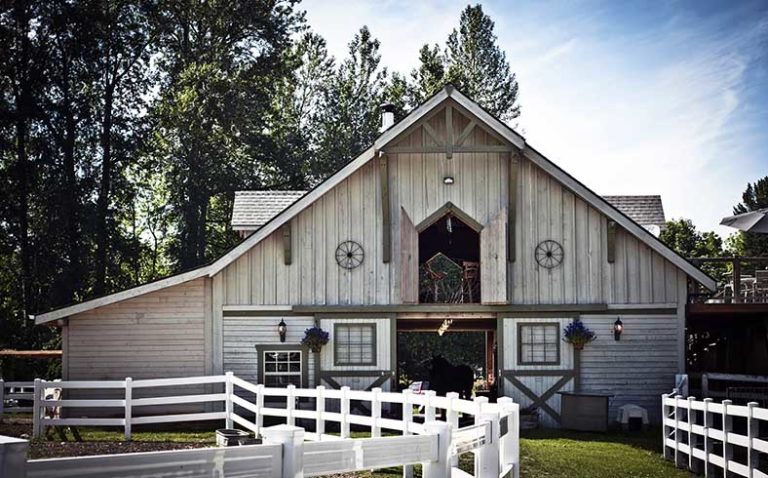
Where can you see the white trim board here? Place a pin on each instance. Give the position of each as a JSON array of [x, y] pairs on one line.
[[305, 201]]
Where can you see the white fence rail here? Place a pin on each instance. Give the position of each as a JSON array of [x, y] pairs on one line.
[[493, 439], [11, 393], [704, 436]]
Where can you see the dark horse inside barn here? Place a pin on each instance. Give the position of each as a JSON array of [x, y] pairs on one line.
[[445, 377]]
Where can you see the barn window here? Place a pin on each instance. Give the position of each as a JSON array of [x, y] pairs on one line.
[[538, 344], [354, 344], [282, 368]]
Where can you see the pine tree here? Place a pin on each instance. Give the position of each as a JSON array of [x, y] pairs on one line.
[[474, 63]]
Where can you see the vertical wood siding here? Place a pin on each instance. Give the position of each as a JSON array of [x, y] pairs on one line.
[[242, 334], [638, 368], [545, 210]]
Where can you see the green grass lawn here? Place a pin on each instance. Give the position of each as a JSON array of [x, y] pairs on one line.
[[544, 453]]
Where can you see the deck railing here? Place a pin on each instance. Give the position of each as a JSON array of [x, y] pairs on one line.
[[739, 280], [493, 437], [702, 436], [12, 394]]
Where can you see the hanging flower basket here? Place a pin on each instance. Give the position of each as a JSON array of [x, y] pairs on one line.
[[315, 338], [578, 335]]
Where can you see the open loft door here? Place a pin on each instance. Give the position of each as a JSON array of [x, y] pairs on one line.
[[493, 260]]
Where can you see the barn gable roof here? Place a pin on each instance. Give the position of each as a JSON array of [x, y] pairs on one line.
[[644, 210], [448, 92], [253, 209]]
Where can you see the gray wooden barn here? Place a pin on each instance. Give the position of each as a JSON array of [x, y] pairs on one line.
[[450, 214]]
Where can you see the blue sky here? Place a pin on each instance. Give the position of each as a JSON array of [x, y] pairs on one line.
[[665, 98]]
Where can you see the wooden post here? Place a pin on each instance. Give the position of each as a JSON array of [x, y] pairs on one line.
[[345, 412], [13, 457], [386, 213], [407, 419], [727, 427], [375, 412], [320, 410], [737, 280], [37, 418], [441, 468], [704, 385], [487, 456], [514, 168], [259, 417], [707, 422], [292, 440], [753, 431], [228, 398], [611, 241], [128, 407], [452, 417], [2, 398], [287, 255]]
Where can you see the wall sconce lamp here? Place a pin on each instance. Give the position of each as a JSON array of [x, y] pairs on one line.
[[448, 180], [281, 330], [618, 328]]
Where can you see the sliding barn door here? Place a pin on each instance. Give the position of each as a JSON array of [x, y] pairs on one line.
[[493, 260], [409, 260]]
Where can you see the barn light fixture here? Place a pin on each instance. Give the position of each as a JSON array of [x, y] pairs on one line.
[[448, 180], [282, 328], [618, 328]]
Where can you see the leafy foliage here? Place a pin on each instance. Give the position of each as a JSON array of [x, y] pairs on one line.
[[682, 236], [577, 334]]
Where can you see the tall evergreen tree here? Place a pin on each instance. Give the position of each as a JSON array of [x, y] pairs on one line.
[[350, 117], [473, 62], [754, 198]]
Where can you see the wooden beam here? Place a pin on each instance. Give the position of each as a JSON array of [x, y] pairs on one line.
[[287, 256], [451, 208], [477, 148], [432, 133], [611, 241], [466, 132], [449, 132], [386, 213], [514, 168]]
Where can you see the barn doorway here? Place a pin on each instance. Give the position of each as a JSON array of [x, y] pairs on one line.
[[469, 342], [449, 258]]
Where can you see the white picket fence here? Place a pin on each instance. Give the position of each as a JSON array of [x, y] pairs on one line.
[[701, 435], [12, 391], [493, 438]]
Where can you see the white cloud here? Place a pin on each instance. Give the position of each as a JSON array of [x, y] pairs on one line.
[[627, 111]]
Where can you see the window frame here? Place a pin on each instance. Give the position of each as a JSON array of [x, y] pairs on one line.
[[521, 326], [261, 349], [369, 325]]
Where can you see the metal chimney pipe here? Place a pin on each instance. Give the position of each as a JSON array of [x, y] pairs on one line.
[[387, 116]]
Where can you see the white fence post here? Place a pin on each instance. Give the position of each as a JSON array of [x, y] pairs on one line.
[[753, 432], [487, 456], [290, 404], [692, 437], [375, 412], [727, 427], [259, 417], [345, 412], [442, 467], [677, 432], [429, 409], [707, 423], [452, 417], [37, 416], [664, 432], [509, 444], [128, 408], [228, 408], [13, 457], [2, 398], [292, 440], [320, 410], [407, 420]]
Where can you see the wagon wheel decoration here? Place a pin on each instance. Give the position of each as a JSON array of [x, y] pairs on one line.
[[349, 254], [549, 254]]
